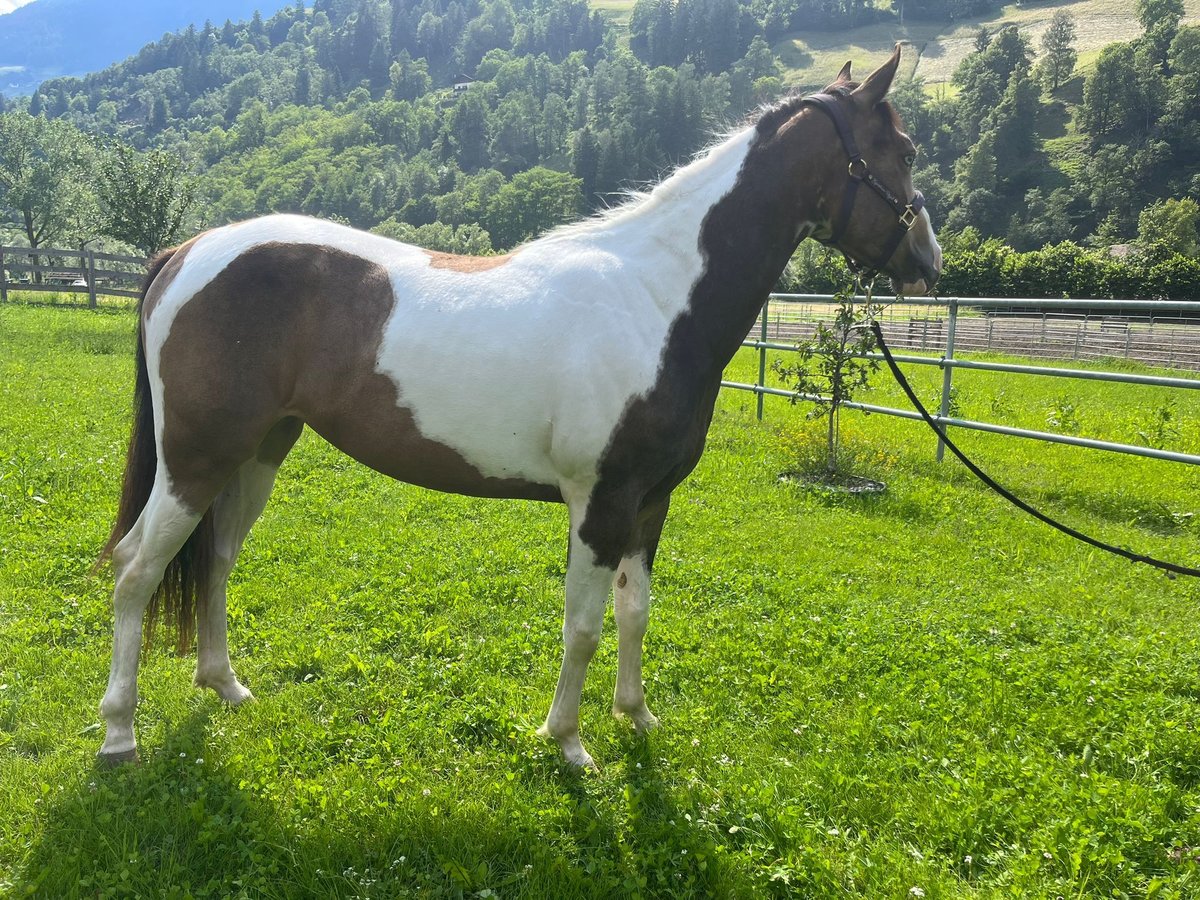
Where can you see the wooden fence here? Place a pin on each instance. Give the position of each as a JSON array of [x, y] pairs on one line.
[[53, 270]]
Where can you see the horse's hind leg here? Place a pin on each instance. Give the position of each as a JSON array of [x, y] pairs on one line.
[[631, 606], [234, 514], [139, 560]]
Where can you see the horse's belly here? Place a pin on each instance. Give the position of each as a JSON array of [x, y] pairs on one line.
[[374, 426]]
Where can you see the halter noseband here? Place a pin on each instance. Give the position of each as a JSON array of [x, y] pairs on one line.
[[860, 173]]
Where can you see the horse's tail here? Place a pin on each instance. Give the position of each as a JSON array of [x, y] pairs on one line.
[[184, 584]]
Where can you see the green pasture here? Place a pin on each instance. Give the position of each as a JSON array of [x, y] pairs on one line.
[[920, 694]]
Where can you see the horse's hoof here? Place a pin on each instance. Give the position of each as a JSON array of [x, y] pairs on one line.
[[643, 725], [237, 696], [643, 720], [231, 691], [120, 758], [578, 758], [572, 750], [582, 761]]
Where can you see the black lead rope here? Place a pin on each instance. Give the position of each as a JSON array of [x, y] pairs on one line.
[[1170, 568]]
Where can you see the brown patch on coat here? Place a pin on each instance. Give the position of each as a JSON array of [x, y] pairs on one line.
[[746, 240], [458, 263], [292, 331]]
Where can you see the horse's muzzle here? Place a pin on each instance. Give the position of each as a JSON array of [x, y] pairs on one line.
[[930, 272]]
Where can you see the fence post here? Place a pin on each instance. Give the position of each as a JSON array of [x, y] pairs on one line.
[[3, 279], [947, 372], [91, 279], [762, 359]]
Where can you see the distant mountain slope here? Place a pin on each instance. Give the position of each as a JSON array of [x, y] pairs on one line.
[[810, 57], [48, 38]]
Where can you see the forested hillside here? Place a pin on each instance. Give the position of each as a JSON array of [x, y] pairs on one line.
[[71, 37], [475, 124]]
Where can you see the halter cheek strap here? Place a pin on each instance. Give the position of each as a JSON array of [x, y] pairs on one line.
[[907, 214]]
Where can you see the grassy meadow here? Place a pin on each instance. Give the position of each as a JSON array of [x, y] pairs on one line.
[[919, 694]]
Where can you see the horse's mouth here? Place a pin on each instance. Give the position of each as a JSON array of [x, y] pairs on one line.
[[916, 288], [929, 272]]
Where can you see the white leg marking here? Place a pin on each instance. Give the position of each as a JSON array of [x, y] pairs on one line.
[[631, 603], [139, 560], [235, 512], [587, 595]]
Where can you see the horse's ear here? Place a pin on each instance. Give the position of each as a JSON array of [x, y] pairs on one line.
[[879, 82], [844, 75]]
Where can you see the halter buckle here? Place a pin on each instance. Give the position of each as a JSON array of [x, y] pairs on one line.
[[866, 170], [908, 218]]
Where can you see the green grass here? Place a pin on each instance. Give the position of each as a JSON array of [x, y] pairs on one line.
[[859, 697], [616, 11]]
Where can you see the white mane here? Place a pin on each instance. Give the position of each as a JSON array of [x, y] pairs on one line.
[[682, 181]]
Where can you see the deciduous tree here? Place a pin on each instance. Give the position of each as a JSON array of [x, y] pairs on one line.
[[1058, 43], [1111, 95], [1170, 226], [533, 202], [45, 173], [144, 197]]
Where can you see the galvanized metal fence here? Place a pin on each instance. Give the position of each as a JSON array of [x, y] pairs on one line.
[[58, 271], [1159, 333]]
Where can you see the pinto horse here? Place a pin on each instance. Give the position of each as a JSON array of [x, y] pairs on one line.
[[591, 360]]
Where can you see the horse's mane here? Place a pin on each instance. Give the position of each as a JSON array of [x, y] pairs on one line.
[[772, 117], [766, 120]]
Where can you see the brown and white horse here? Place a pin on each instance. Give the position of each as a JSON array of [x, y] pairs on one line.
[[589, 365]]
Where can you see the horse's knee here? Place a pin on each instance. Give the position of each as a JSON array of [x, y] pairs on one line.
[[581, 640]]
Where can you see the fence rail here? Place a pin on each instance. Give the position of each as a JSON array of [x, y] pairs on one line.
[[47, 270], [937, 326]]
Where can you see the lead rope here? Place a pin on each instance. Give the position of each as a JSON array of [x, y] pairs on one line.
[[1172, 569]]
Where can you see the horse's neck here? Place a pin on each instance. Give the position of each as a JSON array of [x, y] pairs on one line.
[[712, 240]]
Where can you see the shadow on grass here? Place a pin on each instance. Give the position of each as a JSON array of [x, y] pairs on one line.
[[180, 824], [171, 820]]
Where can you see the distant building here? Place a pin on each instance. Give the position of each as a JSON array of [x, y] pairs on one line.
[[462, 82]]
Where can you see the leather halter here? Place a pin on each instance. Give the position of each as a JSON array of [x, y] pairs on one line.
[[908, 214]]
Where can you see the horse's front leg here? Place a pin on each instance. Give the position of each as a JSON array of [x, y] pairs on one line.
[[588, 580], [631, 604]]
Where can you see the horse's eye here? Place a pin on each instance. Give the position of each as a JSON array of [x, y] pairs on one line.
[[910, 160]]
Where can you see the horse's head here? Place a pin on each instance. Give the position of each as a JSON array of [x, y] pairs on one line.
[[865, 201]]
